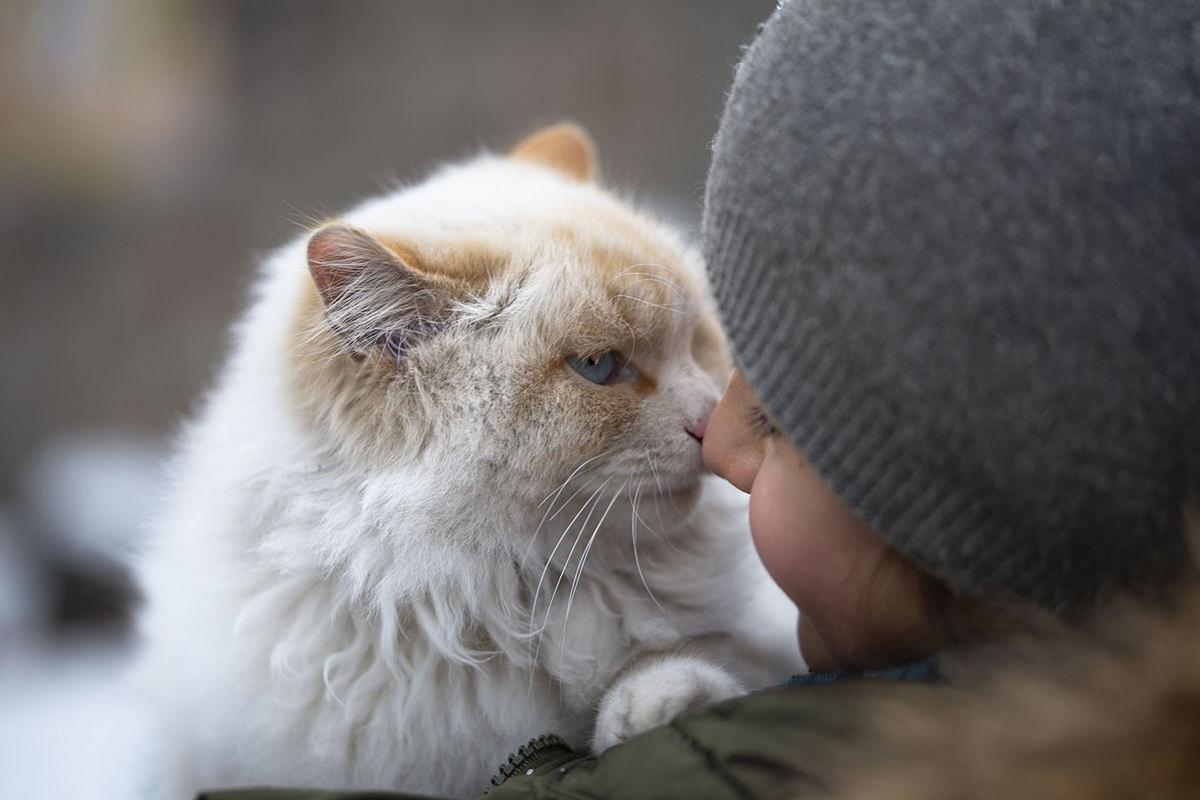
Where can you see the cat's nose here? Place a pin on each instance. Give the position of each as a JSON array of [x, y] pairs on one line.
[[696, 429]]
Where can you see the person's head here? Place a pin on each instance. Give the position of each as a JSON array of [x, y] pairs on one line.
[[957, 255], [863, 604]]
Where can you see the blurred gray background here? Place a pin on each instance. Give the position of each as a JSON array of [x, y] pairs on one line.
[[150, 152]]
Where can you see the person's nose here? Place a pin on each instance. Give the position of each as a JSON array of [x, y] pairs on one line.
[[739, 465], [731, 448]]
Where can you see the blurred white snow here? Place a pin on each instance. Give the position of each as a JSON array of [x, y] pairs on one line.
[[90, 494], [70, 727], [23, 601]]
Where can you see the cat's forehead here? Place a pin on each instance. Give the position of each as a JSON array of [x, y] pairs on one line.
[[612, 272], [497, 221], [645, 274]]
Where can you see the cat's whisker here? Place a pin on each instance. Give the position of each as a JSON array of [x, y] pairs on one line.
[[593, 501], [552, 511], [633, 518], [642, 519], [677, 293], [641, 264], [644, 277], [534, 653], [650, 275], [583, 558], [533, 541], [659, 488], [549, 516], [657, 533], [659, 494], [572, 475], [648, 303], [550, 559], [633, 338]]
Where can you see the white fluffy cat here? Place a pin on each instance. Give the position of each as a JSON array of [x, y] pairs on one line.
[[446, 496]]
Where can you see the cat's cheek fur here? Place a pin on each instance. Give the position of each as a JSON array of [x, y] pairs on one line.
[[656, 691]]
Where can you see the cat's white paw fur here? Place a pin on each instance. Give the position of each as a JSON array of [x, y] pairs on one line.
[[655, 693]]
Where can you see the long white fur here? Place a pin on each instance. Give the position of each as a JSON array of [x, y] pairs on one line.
[[314, 621]]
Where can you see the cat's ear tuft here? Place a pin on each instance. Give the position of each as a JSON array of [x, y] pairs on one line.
[[339, 255], [373, 298], [565, 147]]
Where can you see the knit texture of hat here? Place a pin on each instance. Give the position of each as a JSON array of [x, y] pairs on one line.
[[956, 248]]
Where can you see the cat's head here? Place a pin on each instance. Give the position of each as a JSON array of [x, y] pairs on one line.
[[509, 322]]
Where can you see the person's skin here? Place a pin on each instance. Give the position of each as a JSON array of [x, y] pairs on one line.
[[861, 604]]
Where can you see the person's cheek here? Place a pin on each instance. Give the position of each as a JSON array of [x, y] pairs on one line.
[[779, 524], [774, 531], [805, 536], [861, 604]]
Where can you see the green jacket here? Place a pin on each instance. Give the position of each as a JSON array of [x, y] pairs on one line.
[[773, 742]]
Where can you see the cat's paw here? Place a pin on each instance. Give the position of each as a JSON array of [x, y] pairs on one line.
[[655, 693]]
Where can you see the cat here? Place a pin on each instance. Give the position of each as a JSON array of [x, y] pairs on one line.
[[446, 496]]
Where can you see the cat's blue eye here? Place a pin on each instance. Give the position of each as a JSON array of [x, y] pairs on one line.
[[603, 369]]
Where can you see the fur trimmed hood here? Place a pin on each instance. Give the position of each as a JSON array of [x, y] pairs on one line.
[[1115, 714]]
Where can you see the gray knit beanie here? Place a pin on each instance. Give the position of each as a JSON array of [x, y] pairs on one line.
[[956, 247]]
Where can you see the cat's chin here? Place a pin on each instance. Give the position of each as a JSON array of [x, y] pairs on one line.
[[681, 496]]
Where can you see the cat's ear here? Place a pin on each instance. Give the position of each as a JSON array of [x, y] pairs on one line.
[[565, 147], [372, 297]]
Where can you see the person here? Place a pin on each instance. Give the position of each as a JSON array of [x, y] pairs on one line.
[[955, 245]]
